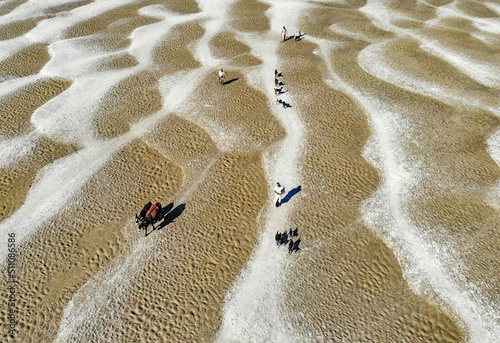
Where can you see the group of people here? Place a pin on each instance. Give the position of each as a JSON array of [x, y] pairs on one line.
[[284, 32], [286, 238], [278, 89]]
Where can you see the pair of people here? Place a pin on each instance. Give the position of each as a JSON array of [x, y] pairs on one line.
[[284, 32]]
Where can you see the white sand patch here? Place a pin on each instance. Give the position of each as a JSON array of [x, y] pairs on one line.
[[14, 149], [101, 299]]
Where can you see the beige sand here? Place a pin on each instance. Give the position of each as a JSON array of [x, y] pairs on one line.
[[67, 7], [173, 53], [182, 6], [17, 107], [124, 61], [347, 284], [225, 45], [26, 62], [128, 101], [249, 16], [17, 28]]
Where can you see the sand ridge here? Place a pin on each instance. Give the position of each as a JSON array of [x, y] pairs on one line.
[[207, 158]]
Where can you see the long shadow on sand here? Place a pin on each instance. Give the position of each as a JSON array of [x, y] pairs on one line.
[[169, 216], [230, 81], [291, 194]]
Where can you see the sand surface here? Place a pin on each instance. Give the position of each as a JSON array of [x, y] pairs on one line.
[[389, 153]]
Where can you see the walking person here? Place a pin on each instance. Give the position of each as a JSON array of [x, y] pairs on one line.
[[279, 190], [222, 76], [283, 34]]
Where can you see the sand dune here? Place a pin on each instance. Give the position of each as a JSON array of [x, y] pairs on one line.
[[388, 149]]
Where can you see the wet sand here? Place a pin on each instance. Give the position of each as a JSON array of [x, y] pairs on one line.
[[206, 160]]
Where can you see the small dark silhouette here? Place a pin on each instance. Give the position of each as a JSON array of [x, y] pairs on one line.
[[277, 73], [230, 81], [284, 238], [143, 212], [282, 102], [298, 35], [290, 246], [285, 104], [149, 215], [295, 232], [290, 233], [289, 37], [277, 237], [296, 245]]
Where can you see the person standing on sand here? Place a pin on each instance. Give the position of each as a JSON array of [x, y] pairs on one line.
[[279, 190], [298, 35], [283, 34], [222, 76]]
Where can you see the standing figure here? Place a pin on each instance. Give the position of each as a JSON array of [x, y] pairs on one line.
[[298, 35], [222, 75], [283, 34], [279, 190], [277, 237]]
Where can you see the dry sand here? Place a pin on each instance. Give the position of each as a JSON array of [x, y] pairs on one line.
[[344, 284], [26, 62]]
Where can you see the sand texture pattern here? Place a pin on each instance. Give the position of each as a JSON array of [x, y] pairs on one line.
[[381, 119]]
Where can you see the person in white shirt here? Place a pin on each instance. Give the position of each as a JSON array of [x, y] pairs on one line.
[[283, 34], [279, 191], [222, 75]]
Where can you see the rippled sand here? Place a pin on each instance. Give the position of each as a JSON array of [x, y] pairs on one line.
[[87, 274]]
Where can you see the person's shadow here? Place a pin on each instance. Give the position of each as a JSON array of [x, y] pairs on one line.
[[169, 215], [291, 194], [295, 246], [230, 81]]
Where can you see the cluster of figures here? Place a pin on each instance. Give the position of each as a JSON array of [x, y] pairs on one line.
[[278, 84], [149, 215], [278, 89], [286, 238], [284, 32]]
